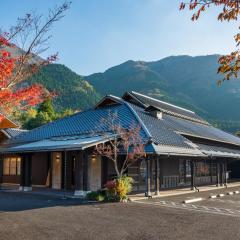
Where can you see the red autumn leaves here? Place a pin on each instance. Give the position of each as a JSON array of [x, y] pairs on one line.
[[13, 96], [229, 65]]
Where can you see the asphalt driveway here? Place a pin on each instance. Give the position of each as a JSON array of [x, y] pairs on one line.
[[29, 216]]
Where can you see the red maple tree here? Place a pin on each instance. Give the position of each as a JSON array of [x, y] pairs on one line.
[[120, 141], [15, 92]]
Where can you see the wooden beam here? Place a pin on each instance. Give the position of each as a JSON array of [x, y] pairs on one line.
[[79, 172], [192, 175], [218, 174], [1, 169], [148, 178], [26, 172], [157, 176]]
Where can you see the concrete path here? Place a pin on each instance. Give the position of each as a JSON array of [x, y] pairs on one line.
[[181, 191]]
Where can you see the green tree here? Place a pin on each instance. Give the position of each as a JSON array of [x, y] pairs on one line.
[[45, 114], [47, 107]]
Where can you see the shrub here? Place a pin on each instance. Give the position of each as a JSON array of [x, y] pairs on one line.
[[124, 187], [111, 188], [118, 189], [95, 196]]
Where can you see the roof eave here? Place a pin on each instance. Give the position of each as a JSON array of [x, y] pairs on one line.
[[205, 138]]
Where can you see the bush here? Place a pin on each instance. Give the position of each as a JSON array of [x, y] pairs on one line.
[[96, 196], [124, 187], [118, 189]]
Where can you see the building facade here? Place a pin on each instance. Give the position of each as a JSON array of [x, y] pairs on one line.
[[182, 149]]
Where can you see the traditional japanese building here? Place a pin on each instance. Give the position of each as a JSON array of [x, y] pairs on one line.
[[182, 149]]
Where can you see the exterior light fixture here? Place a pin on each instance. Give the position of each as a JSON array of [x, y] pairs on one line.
[[93, 158]]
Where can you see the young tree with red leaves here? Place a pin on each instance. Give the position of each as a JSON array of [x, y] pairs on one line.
[[121, 142], [19, 59], [230, 10]]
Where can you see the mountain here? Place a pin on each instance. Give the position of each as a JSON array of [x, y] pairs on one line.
[[183, 80], [71, 89]]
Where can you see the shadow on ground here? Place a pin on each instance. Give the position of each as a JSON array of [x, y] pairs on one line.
[[17, 201]]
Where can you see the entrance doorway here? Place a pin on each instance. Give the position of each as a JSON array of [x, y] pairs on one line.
[[56, 170]]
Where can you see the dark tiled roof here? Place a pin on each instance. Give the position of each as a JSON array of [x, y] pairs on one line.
[[177, 124], [13, 132], [199, 130], [219, 151], [86, 122], [168, 133], [168, 108], [159, 132]]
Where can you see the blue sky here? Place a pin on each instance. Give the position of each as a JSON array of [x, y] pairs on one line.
[[98, 34]]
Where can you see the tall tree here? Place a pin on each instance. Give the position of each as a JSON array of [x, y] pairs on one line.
[[230, 10], [19, 50]]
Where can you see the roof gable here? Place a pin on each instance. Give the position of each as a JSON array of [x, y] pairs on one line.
[[167, 108], [108, 101], [7, 123]]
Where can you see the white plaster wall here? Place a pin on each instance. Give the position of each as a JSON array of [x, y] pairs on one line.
[[94, 173]]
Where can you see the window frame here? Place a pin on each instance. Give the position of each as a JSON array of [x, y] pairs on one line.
[[13, 167]]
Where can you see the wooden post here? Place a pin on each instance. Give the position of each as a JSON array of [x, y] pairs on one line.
[[22, 177], [148, 178], [226, 171], [104, 172], [224, 177], [1, 169], [85, 171], [192, 175], [65, 170], [26, 173], [157, 175], [79, 175], [211, 173], [221, 173], [49, 157], [218, 175]]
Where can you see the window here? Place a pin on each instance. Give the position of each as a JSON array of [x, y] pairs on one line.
[[6, 166], [18, 166], [184, 172], [12, 166], [202, 169]]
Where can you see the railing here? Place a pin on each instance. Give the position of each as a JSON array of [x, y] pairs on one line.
[[170, 181], [174, 181]]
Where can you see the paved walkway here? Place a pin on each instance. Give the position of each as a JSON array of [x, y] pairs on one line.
[[174, 192]]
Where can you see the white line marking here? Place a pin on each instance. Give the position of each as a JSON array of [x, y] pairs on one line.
[[210, 210], [193, 200], [213, 196]]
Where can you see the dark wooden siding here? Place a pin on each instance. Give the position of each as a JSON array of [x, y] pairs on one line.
[[40, 168]]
